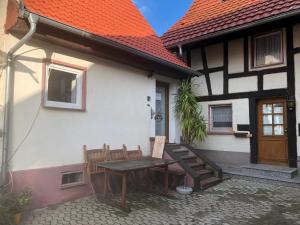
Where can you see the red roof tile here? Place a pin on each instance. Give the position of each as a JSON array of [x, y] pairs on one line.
[[210, 16], [117, 20]]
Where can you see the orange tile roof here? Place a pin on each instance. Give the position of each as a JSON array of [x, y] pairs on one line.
[[209, 16], [117, 20]]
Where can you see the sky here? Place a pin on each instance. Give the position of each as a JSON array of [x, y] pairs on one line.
[[162, 14]]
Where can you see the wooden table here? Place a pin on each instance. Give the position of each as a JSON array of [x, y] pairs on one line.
[[123, 168]]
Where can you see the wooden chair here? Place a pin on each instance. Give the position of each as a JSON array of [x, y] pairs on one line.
[[133, 154], [117, 154], [91, 158]]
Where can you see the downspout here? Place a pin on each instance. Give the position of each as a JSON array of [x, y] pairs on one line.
[[33, 20], [180, 51]]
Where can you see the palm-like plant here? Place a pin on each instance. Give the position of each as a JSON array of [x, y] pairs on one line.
[[193, 127]]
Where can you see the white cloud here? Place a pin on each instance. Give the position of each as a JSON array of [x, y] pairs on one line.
[[143, 6]]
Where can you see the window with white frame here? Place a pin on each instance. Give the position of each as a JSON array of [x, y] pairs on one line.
[[72, 179], [221, 118], [64, 87], [267, 49]]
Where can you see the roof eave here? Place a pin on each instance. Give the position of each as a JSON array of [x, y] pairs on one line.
[[235, 29], [113, 44]]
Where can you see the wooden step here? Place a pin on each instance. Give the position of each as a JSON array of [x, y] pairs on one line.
[[204, 174], [196, 164], [209, 182], [180, 150], [187, 157]]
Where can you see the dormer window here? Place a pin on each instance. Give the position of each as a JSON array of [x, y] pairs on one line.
[[267, 50]]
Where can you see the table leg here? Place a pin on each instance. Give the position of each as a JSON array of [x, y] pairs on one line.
[[124, 190], [149, 181], [166, 180], [105, 184]]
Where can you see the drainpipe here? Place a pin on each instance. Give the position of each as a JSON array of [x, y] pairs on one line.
[[33, 19], [180, 51]]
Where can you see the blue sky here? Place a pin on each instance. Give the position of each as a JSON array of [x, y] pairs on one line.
[[162, 14]]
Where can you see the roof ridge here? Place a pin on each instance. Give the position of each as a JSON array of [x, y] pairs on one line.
[[248, 14]]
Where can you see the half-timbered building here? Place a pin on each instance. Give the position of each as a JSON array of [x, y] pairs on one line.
[[249, 91]]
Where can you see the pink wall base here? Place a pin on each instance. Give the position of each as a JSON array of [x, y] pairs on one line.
[[45, 185]]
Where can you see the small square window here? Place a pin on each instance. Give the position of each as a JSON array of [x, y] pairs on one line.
[[64, 87], [268, 50], [221, 118], [72, 179]]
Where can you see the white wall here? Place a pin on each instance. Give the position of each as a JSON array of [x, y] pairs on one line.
[[215, 55], [196, 59], [217, 83], [242, 84], [275, 81], [236, 56], [117, 111], [199, 87], [240, 115]]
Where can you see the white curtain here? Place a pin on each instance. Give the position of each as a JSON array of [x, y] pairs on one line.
[[222, 116], [268, 49]]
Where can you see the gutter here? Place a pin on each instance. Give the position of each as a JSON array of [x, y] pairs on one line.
[[116, 45], [33, 20], [236, 29]]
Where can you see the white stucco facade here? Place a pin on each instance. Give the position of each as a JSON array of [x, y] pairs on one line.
[[228, 142], [117, 109]]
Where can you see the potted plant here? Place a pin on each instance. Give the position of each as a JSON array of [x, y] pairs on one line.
[[12, 206], [22, 201], [193, 126]]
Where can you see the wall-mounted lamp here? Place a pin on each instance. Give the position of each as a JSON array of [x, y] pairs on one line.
[[291, 103]]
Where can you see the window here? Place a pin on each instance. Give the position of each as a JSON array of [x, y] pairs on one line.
[[64, 86], [273, 119], [71, 179], [221, 118], [268, 50]]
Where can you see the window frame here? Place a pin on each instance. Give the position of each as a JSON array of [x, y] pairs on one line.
[[253, 50], [74, 184], [211, 129], [80, 73]]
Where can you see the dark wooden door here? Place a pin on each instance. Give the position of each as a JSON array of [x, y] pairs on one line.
[[272, 132]]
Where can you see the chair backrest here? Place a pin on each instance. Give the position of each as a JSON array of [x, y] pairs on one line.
[[94, 156], [116, 154], [158, 147], [133, 154]]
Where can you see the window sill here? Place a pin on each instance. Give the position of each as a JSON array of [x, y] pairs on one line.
[[73, 185], [65, 109], [270, 66], [220, 133]]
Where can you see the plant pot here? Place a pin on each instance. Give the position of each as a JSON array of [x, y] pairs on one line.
[[17, 218]]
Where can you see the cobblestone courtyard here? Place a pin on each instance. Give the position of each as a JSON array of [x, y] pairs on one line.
[[235, 201]]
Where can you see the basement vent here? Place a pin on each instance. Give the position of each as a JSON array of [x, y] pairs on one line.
[[71, 179]]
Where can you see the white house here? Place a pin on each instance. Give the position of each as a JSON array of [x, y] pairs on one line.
[[79, 73], [249, 93]]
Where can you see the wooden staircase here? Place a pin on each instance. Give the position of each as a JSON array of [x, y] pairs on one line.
[[203, 171]]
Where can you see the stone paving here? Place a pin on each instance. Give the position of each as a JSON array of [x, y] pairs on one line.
[[234, 202]]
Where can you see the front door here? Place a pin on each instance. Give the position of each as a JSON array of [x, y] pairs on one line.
[[272, 132], [162, 110]]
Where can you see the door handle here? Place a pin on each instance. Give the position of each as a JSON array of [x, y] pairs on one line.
[[286, 131]]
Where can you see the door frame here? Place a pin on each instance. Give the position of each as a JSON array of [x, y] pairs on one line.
[[260, 135], [167, 105], [292, 136]]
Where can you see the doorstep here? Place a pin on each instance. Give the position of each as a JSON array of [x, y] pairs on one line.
[[268, 172]]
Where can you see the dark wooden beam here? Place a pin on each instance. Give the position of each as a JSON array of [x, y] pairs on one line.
[[205, 69]]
